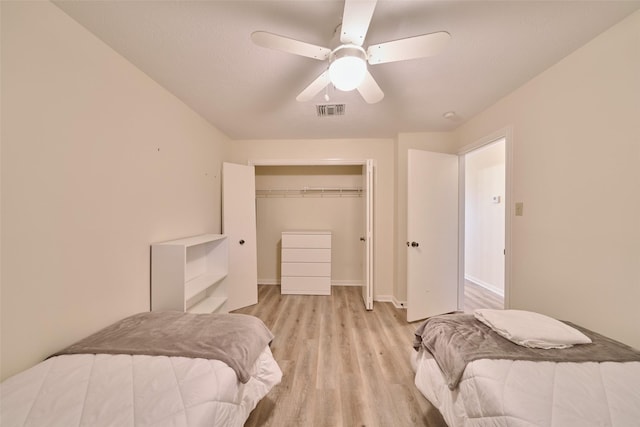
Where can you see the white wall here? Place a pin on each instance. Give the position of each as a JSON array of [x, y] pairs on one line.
[[343, 215], [576, 151], [98, 161], [381, 150], [484, 216]]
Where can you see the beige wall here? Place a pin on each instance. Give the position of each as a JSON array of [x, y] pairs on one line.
[[381, 150], [98, 161], [576, 151], [440, 142]]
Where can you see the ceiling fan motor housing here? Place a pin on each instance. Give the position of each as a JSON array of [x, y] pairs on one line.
[[347, 66]]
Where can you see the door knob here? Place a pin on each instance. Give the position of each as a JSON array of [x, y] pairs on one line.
[[241, 242], [362, 239], [414, 244]]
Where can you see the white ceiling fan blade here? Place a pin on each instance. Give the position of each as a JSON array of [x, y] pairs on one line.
[[355, 20], [409, 48], [370, 90], [285, 44], [314, 88]]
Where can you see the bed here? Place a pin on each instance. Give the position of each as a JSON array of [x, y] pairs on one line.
[[476, 377], [150, 369]]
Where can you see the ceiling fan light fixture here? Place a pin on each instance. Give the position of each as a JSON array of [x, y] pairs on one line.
[[348, 67]]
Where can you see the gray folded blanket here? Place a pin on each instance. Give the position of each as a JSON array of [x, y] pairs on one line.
[[235, 339], [455, 340]]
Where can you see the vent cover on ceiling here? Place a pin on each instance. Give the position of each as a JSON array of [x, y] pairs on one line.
[[325, 110]]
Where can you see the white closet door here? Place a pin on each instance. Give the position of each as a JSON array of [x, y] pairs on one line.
[[239, 224], [432, 234], [367, 274]]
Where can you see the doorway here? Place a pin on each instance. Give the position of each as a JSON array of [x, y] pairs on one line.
[[484, 226]]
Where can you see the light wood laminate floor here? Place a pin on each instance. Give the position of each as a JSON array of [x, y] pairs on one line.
[[476, 296], [342, 365]]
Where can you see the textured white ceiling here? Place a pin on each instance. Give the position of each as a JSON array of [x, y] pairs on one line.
[[201, 51]]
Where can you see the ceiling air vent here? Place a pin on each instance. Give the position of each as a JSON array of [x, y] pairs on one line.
[[325, 110]]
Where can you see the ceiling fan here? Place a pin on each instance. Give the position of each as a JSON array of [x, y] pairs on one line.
[[347, 68]]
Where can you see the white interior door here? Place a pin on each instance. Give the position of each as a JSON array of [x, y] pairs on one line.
[[432, 234], [367, 187], [239, 224]]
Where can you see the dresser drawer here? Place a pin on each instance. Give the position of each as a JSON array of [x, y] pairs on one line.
[[296, 240], [306, 269], [306, 285], [306, 255]]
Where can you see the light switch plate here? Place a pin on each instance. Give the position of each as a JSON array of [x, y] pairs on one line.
[[519, 208]]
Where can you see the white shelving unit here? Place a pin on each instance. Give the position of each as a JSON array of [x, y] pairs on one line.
[[189, 274]]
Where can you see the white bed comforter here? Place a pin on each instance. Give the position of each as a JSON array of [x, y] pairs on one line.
[[523, 393], [124, 390]]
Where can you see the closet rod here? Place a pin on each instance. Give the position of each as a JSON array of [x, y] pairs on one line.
[[318, 191], [327, 189]]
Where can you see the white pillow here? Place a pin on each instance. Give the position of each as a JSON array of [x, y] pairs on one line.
[[530, 329]]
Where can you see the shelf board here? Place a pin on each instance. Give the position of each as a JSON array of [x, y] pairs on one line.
[[194, 240], [208, 305], [198, 284]]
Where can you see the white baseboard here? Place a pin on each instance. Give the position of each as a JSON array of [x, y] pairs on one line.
[[346, 283], [268, 282], [487, 286], [383, 298], [391, 299], [399, 304]]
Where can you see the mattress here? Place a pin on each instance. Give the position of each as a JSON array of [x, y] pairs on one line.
[[139, 390], [525, 393]]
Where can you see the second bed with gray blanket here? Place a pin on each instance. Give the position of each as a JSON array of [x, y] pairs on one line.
[[477, 378], [454, 340]]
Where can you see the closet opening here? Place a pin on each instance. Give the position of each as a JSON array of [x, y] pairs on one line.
[[321, 196]]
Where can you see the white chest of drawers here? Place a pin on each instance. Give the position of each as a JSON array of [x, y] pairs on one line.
[[306, 262]]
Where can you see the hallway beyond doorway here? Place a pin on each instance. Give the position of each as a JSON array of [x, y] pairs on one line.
[[476, 296]]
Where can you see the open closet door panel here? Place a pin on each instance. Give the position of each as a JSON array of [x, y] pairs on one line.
[[432, 234], [239, 224], [367, 274]]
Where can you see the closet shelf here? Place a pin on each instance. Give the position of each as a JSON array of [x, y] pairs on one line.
[[311, 192]]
